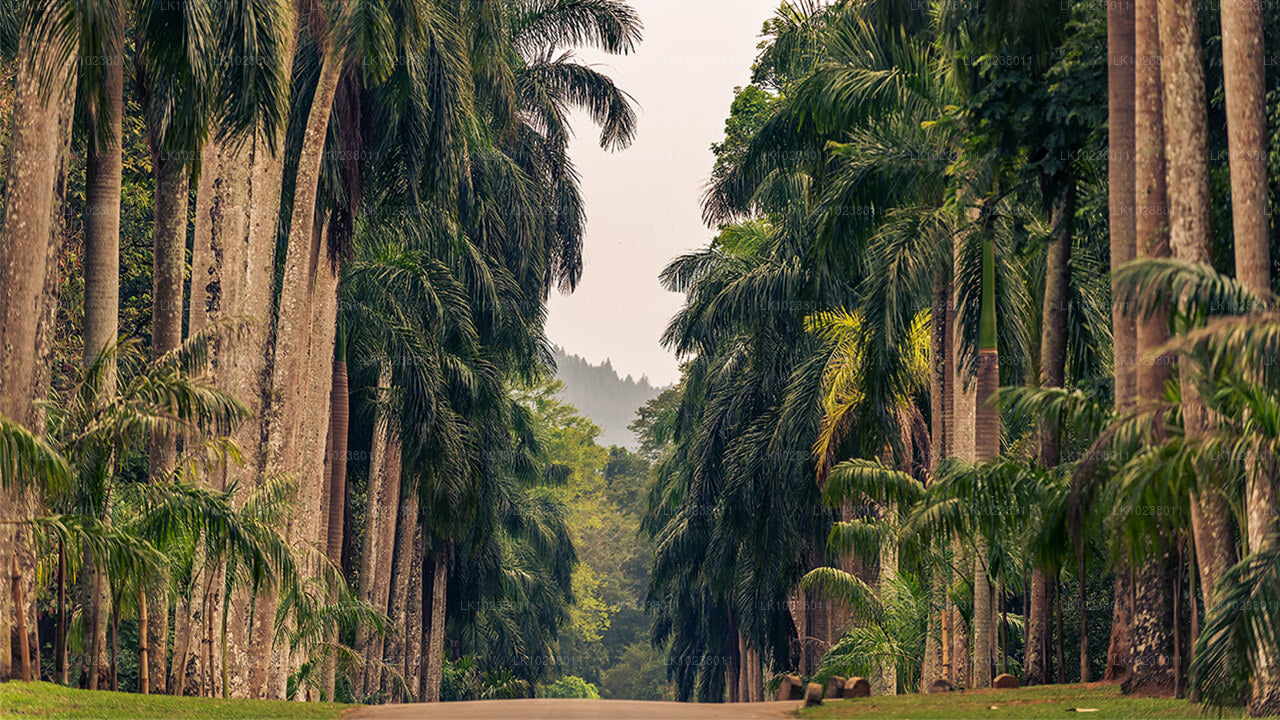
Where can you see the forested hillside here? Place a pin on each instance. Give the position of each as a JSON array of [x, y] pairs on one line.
[[599, 393]]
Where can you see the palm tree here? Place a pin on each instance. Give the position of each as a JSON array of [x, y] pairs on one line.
[[1242, 43], [1186, 143], [1121, 128], [43, 89]]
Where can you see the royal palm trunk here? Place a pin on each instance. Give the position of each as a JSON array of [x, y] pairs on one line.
[[415, 607], [103, 172], [169, 245], [1121, 27], [435, 642], [1152, 649], [1186, 142], [1244, 75], [398, 612], [35, 173]]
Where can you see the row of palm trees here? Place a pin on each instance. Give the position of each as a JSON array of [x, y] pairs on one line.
[[363, 188], [971, 331]]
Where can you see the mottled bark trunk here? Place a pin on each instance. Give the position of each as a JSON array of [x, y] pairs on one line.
[[1053, 364], [1186, 141], [1121, 644], [885, 680], [1152, 670], [376, 503], [415, 613], [295, 414], [42, 96], [435, 644], [1150, 195], [1037, 670], [393, 653], [169, 241], [1244, 73]]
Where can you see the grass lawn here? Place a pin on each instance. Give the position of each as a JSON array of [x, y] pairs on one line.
[[46, 700], [1046, 701]]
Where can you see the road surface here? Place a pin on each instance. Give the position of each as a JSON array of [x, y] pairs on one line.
[[552, 709]]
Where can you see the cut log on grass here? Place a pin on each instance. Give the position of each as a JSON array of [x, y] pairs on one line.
[[791, 688], [1005, 681], [857, 688], [812, 695], [835, 686], [941, 685]]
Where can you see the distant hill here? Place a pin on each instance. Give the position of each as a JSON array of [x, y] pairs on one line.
[[598, 393]]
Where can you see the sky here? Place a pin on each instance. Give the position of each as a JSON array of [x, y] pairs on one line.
[[643, 203]]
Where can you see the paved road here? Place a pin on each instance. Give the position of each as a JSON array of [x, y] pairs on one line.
[[549, 709]]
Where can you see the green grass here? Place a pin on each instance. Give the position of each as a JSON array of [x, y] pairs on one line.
[[46, 700], [1047, 701]]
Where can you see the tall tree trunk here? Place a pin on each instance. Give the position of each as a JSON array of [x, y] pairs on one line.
[[296, 421], [986, 432], [435, 644], [169, 241], [1037, 672], [1084, 617], [377, 501], [339, 417], [1245, 76], [1053, 367], [413, 634], [42, 88], [1152, 664], [1121, 19], [144, 666], [1152, 620], [962, 411], [1186, 141], [103, 171], [233, 261], [398, 612], [733, 669], [934, 663], [1120, 647], [233, 276]]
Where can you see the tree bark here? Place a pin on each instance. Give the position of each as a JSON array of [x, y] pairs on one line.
[[435, 645], [295, 419], [376, 503], [336, 470], [103, 174], [1053, 365], [406, 527], [42, 86], [1038, 631], [1121, 646], [1121, 28], [934, 663], [1186, 137], [414, 619], [169, 241], [1152, 657], [1244, 75]]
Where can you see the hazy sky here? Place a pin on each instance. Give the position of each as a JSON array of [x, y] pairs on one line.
[[642, 203]]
